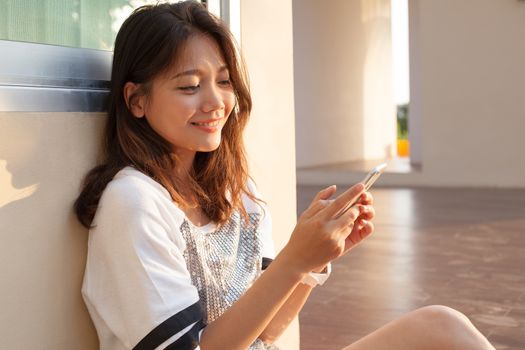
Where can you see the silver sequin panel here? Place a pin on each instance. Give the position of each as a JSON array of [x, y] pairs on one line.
[[224, 263]]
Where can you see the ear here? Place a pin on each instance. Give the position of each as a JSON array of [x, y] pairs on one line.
[[134, 99]]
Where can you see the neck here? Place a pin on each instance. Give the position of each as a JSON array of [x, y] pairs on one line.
[[184, 162]]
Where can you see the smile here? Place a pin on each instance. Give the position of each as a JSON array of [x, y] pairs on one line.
[[209, 124]]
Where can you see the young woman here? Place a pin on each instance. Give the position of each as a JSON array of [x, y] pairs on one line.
[[179, 236]]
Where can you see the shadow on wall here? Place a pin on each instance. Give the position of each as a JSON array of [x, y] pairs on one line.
[[43, 158], [10, 193]]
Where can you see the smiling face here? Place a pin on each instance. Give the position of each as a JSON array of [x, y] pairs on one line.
[[189, 104]]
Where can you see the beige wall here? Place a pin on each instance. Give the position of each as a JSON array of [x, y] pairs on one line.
[[43, 156], [266, 29], [467, 89], [343, 81], [42, 159], [468, 84]]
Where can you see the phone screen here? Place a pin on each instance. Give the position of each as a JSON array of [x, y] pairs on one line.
[[369, 180], [373, 175]]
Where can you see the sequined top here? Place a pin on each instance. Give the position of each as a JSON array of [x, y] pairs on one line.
[[153, 280], [224, 263]]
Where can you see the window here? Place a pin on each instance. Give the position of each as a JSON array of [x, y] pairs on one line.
[[56, 54], [400, 58]]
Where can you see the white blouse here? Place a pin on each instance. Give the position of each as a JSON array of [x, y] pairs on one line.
[[153, 280]]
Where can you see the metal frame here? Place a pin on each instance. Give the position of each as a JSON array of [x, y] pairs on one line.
[[47, 78]]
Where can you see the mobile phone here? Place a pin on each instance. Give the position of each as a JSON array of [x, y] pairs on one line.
[[368, 181]]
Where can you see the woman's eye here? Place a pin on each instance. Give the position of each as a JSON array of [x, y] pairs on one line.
[[226, 82], [190, 88]]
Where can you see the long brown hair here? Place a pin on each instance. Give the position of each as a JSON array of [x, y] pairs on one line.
[[147, 44]]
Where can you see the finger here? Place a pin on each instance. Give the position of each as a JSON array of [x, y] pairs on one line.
[[313, 209], [325, 193], [315, 206], [366, 198], [368, 228], [341, 203], [367, 213], [358, 234], [326, 202], [321, 204], [349, 218]]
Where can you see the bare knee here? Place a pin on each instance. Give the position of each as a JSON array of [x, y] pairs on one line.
[[452, 329], [442, 317], [433, 327]]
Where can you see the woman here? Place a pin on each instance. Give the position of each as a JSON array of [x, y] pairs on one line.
[[179, 236]]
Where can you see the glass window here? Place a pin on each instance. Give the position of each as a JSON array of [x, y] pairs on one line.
[[88, 24], [56, 54]]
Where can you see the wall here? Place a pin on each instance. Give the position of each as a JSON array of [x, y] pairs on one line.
[[468, 78], [467, 89], [267, 44], [343, 81], [43, 157]]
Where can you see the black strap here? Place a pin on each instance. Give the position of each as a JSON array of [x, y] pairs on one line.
[[170, 327], [190, 339], [266, 262]]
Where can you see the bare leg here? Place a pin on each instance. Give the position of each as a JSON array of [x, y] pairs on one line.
[[429, 328]]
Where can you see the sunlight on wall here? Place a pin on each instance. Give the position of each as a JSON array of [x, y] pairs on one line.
[[8, 193], [379, 121], [235, 19], [374, 9], [400, 51]]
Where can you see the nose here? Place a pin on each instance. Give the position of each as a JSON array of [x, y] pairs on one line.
[[213, 100]]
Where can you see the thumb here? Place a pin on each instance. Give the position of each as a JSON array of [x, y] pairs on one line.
[[319, 202], [325, 193]]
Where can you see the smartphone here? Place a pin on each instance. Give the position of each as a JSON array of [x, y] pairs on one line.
[[369, 180]]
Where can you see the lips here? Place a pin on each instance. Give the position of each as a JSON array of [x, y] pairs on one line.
[[208, 126], [208, 123]]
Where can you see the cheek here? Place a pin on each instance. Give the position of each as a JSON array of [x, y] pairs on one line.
[[185, 104], [172, 109], [229, 102]]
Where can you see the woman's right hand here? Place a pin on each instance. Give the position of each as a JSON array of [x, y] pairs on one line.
[[320, 233]]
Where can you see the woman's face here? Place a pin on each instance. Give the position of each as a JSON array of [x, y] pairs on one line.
[[189, 104]]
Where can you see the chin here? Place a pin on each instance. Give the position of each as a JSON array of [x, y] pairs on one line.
[[209, 147]]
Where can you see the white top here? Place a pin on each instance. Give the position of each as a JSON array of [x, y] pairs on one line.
[[136, 278]]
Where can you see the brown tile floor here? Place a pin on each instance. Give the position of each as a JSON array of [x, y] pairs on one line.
[[462, 248]]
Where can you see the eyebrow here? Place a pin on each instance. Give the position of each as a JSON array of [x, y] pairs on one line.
[[196, 72]]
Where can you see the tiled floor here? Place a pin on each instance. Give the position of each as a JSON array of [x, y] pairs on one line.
[[462, 248]]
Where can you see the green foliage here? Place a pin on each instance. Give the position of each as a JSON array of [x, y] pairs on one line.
[[402, 122]]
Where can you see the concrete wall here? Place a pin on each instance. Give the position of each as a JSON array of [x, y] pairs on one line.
[[43, 157], [343, 81], [467, 90], [468, 86], [267, 43]]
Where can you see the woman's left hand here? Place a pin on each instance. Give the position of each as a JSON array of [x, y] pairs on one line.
[[363, 225]]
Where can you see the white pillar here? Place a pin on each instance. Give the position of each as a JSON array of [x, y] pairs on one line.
[[343, 81]]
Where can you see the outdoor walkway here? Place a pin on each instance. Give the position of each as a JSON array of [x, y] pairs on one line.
[[461, 248]]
